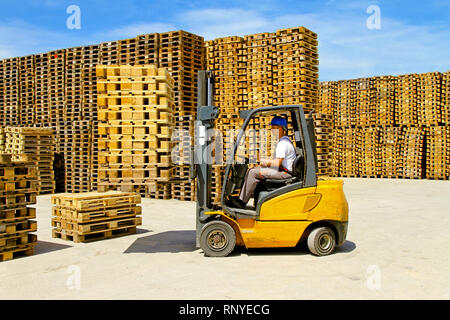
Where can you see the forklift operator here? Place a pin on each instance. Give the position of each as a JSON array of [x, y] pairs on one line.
[[278, 168]]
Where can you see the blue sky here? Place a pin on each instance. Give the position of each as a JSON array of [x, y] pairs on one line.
[[414, 35]]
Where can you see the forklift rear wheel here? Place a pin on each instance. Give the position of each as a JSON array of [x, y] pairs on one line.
[[217, 239], [321, 241]]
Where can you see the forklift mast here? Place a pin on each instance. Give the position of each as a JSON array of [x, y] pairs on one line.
[[201, 167]]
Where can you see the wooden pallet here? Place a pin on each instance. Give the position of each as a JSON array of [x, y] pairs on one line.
[[94, 236], [95, 200], [17, 199], [96, 215], [7, 228], [73, 227], [12, 241], [26, 250], [15, 214]]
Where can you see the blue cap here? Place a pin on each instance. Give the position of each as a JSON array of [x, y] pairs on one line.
[[278, 121]]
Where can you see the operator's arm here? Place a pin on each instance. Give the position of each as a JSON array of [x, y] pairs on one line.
[[280, 154], [275, 163]]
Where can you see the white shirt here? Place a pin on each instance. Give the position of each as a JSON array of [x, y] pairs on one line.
[[285, 149]]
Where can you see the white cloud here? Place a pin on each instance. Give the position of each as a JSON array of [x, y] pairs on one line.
[[18, 38], [347, 49]]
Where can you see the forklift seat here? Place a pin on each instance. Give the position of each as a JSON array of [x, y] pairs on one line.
[[272, 184], [297, 174]]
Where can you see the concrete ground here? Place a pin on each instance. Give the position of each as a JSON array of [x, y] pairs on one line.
[[397, 247]]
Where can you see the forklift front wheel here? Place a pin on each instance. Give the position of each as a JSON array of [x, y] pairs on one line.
[[321, 241], [217, 239]]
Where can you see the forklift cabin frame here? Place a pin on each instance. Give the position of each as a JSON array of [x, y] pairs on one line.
[[303, 138]]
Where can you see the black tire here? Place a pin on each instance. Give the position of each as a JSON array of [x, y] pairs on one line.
[[321, 241], [217, 239]]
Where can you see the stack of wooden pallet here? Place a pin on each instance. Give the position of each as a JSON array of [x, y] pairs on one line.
[[26, 89], [74, 132], [2, 140], [429, 99], [41, 89], [184, 190], [345, 107], [389, 155], [147, 49], [136, 121], [323, 125], [369, 150], [182, 136], [109, 53], [230, 71], [446, 98], [407, 100], [182, 54], [405, 109], [127, 51], [38, 144], [91, 58], [181, 186], [438, 152], [93, 159], [90, 216], [78, 156], [296, 77], [383, 100], [74, 86], [56, 86], [17, 191], [412, 152], [327, 98], [336, 157], [259, 48], [349, 154], [10, 92], [365, 109]]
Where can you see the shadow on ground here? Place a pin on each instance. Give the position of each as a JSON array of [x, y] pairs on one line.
[[301, 249], [45, 247], [169, 241], [348, 246], [140, 231], [184, 241]]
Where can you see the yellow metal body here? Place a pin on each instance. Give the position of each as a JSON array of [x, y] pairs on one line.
[[283, 219]]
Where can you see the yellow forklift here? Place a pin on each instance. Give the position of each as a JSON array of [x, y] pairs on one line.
[[286, 212]]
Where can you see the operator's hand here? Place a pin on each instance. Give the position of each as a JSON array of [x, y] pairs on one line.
[[265, 163]]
